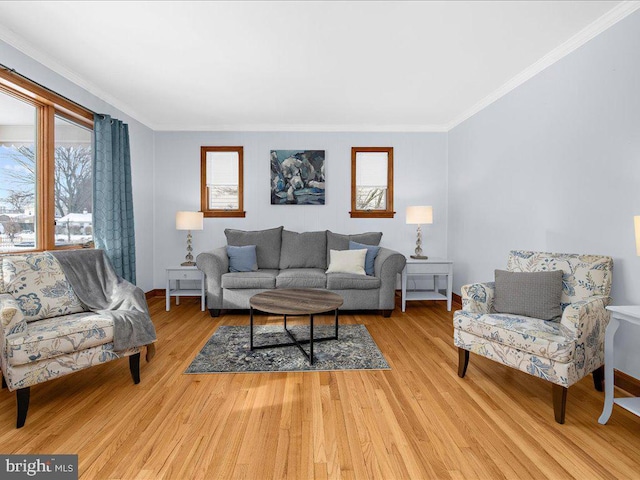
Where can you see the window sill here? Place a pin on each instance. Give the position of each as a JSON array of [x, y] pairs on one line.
[[372, 214], [224, 213]]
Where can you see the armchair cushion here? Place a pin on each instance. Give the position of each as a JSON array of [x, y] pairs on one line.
[[532, 294], [532, 335], [39, 285], [56, 336]]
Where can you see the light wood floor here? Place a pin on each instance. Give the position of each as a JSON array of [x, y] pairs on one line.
[[418, 420]]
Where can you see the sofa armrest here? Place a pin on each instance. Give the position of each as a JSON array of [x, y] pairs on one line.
[[11, 317], [214, 264], [478, 297], [387, 266], [586, 316]]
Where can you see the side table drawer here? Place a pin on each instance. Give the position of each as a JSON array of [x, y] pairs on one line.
[[182, 275], [427, 269]]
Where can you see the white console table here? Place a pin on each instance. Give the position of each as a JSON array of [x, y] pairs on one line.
[[434, 267], [619, 315]]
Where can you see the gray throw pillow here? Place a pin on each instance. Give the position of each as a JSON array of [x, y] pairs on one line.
[[242, 259], [532, 294], [267, 244], [303, 250], [338, 241]]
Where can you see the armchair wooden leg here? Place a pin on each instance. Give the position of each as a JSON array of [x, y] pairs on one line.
[[134, 367], [214, 312], [598, 379], [22, 400], [4, 382], [386, 313], [463, 361], [559, 402]]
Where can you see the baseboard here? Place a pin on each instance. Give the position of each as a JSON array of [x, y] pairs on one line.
[[456, 299], [627, 383], [158, 292]]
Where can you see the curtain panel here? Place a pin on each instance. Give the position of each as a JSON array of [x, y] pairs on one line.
[[112, 195]]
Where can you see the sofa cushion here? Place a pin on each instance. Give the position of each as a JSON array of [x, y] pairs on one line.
[[301, 278], [39, 286], [52, 337], [261, 279], [532, 294], [242, 259], [349, 281], [546, 339], [370, 258], [338, 241], [303, 250], [267, 242]]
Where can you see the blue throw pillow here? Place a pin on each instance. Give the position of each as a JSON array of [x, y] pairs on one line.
[[242, 259], [369, 260]]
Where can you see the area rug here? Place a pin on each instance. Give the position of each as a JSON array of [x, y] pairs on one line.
[[228, 350]]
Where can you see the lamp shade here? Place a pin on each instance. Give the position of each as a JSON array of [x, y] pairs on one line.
[[189, 221], [419, 215], [636, 221]]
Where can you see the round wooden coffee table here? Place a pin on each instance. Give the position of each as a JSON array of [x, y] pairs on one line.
[[295, 302]]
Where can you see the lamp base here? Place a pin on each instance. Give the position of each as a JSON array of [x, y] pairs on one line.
[[419, 257], [188, 264]]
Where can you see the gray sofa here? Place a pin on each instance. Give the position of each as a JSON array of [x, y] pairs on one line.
[[299, 260]]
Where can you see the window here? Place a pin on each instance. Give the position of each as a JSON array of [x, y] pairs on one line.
[[45, 168], [372, 182], [221, 182]]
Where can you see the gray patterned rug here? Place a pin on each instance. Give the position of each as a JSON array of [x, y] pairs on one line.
[[228, 350]]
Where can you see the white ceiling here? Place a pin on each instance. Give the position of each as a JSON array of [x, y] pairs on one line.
[[387, 66]]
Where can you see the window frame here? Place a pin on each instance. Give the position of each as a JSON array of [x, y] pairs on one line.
[[388, 212], [204, 203], [48, 104]]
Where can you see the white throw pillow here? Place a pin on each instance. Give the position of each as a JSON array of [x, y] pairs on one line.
[[347, 261]]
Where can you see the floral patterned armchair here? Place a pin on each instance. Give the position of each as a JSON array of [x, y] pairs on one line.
[[560, 352], [45, 331]]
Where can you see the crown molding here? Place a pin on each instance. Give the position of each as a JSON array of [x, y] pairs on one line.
[[19, 43], [301, 128], [595, 28]]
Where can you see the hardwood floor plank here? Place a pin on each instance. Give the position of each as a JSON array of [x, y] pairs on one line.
[[418, 420]]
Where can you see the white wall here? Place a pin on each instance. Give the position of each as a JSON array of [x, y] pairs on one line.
[[554, 165], [420, 178], [142, 147]]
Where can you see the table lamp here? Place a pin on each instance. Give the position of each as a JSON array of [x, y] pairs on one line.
[[636, 221], [189, 221], [419, 216]]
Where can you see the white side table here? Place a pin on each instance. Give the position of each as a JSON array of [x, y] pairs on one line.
[[184, 273], [435, 267], [630, 315]]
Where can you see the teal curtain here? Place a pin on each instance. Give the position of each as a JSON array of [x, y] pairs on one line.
[[112, 198]]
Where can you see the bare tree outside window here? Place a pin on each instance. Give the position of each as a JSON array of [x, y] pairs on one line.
[[72, 179]]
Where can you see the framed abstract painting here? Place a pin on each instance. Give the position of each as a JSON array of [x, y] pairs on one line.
[[297, 177]]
